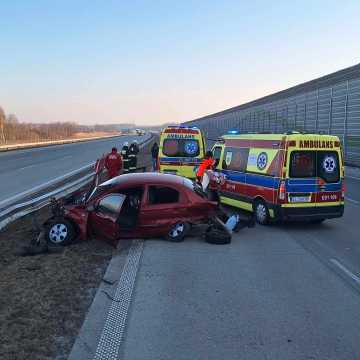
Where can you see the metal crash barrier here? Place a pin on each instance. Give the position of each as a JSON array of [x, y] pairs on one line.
[[38, 197]]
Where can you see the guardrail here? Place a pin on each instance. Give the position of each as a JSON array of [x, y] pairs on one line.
[[38, 197]]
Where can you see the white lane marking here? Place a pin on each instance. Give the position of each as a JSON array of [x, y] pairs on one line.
[[26, 167], [113, 331], [346, 271], [352, 177], [352, 200]]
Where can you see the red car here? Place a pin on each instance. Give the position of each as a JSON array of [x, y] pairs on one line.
[[138, 205]]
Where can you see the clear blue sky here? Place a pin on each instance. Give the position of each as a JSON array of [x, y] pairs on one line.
[[155, 61]]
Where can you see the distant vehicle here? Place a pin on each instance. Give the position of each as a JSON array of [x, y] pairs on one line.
[[181, 150], [140, 132], [292, 176], [131, 206]]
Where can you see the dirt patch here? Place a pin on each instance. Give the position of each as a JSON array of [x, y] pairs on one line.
[[44, 298]]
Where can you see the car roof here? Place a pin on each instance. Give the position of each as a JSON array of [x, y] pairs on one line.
[[144, 178]]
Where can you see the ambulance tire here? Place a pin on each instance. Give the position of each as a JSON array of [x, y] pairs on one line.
[[178, 232], [261, 212], [60, 232]]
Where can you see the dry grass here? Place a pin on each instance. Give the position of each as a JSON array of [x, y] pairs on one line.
[[44, 298]]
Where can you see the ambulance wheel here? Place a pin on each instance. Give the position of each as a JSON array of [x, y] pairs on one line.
[[178, 232], [60, 232], [261, 212]]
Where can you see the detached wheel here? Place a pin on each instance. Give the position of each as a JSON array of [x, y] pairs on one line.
[[178, 232], [60, 232], [261, 212]]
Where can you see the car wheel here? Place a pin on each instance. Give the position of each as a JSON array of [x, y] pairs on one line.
[[261, 212], [60, 232], [178, 232], [217, 236]]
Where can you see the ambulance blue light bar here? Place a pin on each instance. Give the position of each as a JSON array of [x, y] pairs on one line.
[[233, 132]]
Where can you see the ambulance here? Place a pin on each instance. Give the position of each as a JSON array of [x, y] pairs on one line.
[[292, 176], [181, 150]]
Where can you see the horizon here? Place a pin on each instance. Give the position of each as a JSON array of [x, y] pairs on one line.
[[150, 64]]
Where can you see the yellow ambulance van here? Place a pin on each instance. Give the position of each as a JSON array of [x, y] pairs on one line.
[[292, 176], [181, 150]]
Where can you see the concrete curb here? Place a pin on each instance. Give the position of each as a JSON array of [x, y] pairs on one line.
[[88, 338]]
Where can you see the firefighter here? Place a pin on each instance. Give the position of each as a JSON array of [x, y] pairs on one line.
[[113, 163], [133, 151], [207, 163], [125, 157]]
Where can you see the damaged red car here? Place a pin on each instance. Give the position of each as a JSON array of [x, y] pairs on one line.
[[138, 205]]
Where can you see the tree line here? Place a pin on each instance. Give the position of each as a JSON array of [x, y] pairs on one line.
[[14, 131]]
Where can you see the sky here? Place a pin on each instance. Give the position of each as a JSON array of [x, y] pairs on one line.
[[151, 62]]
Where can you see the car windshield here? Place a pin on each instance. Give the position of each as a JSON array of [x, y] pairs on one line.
[[309, 164], [181, 147]]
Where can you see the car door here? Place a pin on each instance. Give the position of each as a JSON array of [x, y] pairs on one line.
[[103, 218], [163, 206]]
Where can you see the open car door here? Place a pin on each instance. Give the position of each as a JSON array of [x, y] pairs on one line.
[[103, 220]]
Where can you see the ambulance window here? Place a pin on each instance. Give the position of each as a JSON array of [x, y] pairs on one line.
[[235, 159], [181, 147], [217, 153], [303, 164], [328, 166]]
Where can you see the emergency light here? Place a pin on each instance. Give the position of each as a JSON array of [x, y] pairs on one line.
[[233, 132]]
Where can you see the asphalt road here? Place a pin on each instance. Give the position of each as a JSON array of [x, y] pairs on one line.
[[280, 292], [21, 170]]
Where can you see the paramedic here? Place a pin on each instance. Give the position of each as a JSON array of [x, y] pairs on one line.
[[113, 163], [207, 163]]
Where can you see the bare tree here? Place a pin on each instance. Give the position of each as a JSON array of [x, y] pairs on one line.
[[2, 125]]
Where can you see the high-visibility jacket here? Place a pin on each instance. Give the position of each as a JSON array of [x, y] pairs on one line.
[[205, 165]]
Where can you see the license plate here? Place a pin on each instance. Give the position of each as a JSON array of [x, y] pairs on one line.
[[298, 199]]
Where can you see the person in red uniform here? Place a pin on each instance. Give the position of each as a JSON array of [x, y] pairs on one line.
[[207, 163], [113, 163]]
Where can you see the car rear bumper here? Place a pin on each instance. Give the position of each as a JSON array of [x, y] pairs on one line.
[[309, 213]]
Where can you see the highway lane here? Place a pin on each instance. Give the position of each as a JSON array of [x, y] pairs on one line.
[[278, 292], [262, 297], [21, 170]]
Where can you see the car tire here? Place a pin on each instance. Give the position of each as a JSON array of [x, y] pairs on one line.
[[60, 232], [178, 232], [261, 212], [217, 236]]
